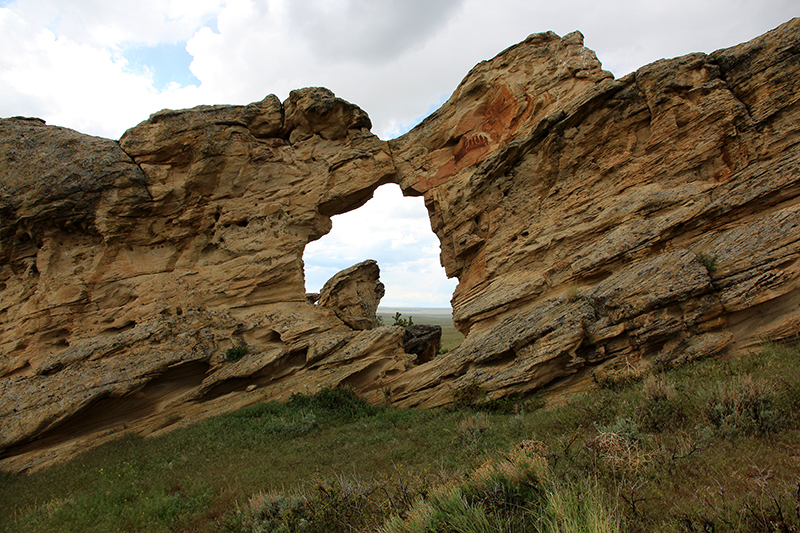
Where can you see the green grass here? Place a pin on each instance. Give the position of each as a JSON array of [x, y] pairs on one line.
[[712, 446]]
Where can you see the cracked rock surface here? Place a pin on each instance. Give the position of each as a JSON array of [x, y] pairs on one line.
[[596, 223]]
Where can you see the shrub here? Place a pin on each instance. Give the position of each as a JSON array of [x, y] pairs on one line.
[[743, 406], [340, 505], [572, 508], [660, 409], [513, 403], [449, 512], [518, 480], [468, 395], [234, 353], [470, 430], [337, 402], [708, 261], [498, 496], [619, 445], [402, 322]]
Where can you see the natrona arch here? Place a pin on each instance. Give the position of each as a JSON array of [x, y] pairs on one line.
[[571, 206]]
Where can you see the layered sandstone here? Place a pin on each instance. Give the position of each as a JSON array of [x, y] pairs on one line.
[[595, 222], [354, 294], [591, 222], [129, 269]]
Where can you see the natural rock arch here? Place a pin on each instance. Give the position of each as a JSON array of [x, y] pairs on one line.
[[590, 221], [395, 231]]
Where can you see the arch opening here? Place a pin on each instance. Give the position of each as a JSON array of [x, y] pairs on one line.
[[395, 231]]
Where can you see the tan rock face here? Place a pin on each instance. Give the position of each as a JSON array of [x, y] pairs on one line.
[[594, 221], [130, 268], [591, 222], [354, 294]]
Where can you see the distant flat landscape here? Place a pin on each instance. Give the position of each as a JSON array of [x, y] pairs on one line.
[[434, 316], [427, 311]]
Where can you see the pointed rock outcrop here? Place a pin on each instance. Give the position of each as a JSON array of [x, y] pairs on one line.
[[595, 222]]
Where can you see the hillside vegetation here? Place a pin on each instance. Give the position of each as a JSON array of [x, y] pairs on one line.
[[711, 446]]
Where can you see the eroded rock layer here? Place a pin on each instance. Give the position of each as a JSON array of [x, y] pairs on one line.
[[129, 269], [595, 222], [592, 222]]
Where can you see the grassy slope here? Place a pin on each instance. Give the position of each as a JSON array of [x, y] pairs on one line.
[[710, 446]]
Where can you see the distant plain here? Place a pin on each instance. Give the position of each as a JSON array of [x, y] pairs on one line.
[[433, 316]]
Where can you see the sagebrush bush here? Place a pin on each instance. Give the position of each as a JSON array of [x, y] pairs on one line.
[[661, 408], [743, 406]]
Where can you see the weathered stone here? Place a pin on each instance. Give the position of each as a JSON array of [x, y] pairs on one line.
[[423, 341], [130, 268], [580, 212], [354, 294]]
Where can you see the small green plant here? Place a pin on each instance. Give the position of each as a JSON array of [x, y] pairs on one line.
[[468, 396], [708, 261], [402, 322], [234, 353]]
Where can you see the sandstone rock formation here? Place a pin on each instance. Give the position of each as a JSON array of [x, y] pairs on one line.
[[594, 221], [128, 269], [591, 222], [354, 295]]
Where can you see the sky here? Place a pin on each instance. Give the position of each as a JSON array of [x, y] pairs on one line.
[[103, 66]]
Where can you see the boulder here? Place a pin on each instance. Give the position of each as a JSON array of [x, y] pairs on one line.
[[354, 294], [423, 341]]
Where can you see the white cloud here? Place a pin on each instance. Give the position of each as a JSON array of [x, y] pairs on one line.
[[341, 31], [393, 58], [68, 83], [103, 23]]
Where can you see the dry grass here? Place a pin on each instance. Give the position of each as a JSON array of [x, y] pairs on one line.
[[708, 446]]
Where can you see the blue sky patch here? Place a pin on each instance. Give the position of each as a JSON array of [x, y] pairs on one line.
[[167, 62], [211, 25]]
